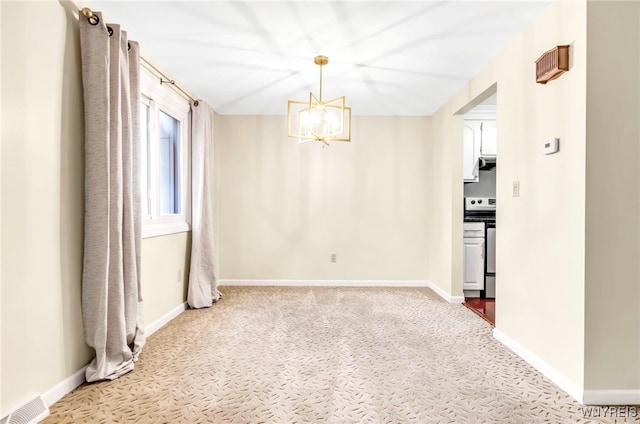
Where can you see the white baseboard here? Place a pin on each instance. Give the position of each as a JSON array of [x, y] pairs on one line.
[[585, 397], [547, 370], [326, 283], [67, 385], [345, 283], [443, 294], [70, 383], [611, 397], [163, 320]]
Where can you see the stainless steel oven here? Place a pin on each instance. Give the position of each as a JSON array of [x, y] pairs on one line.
[[483, 210], [490, 269]]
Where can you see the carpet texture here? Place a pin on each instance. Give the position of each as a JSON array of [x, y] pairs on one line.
[[324, 355]]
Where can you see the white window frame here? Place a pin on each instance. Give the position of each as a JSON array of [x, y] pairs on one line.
[[161, 97]]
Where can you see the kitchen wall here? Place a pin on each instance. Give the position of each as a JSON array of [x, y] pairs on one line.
[[485, 187], [282, 208], [562, 220], [42, 206]]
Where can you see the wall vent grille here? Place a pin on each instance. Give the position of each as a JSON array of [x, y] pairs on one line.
[[31, 412], [552, 64]]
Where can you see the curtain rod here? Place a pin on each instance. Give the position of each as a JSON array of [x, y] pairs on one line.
[[93, 19]]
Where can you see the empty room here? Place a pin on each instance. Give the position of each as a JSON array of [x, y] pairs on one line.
[[320, 211]]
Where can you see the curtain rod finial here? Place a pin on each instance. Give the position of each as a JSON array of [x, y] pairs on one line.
[[87, 13]]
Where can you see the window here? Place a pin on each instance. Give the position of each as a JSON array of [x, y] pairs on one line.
[[165, 147]]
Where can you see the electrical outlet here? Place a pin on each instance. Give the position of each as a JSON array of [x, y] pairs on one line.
[[550, 146], [334, 257], [515, 189], [179, 275]]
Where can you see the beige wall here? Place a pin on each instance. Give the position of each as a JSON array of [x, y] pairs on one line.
[[612, 327], [42, 207], [540, 235], [1, 137], [283, 208], [445, 189], [42, 341], [165, 272], [568, 247]]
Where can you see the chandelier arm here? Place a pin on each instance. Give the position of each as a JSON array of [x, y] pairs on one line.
[[318, 137]]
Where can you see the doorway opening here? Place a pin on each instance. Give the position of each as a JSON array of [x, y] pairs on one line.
[[480, 163]]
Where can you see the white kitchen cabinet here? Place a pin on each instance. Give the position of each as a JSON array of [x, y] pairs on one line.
[[479, 140], [488, 140], [472, 131], [473, 264]]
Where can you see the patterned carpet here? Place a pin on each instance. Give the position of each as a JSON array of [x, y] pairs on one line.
[[324, 355]]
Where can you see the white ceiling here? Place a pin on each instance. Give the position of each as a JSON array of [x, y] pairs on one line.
[[387, 58]]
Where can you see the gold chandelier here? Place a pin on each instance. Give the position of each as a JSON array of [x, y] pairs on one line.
[[317, 120]]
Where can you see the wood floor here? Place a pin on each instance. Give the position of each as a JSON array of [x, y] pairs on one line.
[[485, 308]]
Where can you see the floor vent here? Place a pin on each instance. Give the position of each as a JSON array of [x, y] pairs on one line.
[[31, 412]]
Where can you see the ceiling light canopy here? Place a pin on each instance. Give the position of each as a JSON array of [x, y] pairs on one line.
[[317, 120]]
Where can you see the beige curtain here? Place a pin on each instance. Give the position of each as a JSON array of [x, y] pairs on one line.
[[203, 287], [111, 289]]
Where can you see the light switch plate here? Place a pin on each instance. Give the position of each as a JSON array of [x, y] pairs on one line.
[[550, 146], [515, 189]]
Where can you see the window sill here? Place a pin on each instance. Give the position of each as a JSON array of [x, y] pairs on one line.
[[163, 229]]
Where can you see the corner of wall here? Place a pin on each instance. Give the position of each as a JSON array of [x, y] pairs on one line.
[[612, 232]]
